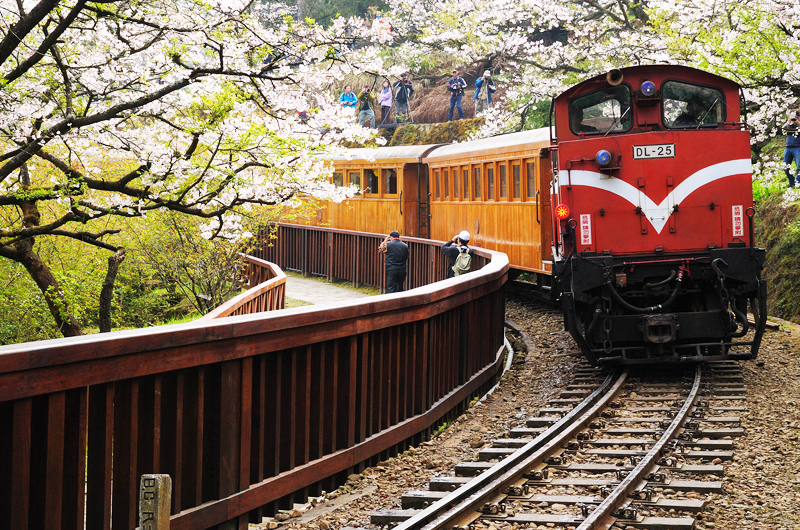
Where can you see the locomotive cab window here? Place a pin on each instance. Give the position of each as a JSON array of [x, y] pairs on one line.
[[390, 181], [338, 178], [476, 181], [455, 183], [445, 182], [502, 168], [465, 180], [602, 111], [688, 105]]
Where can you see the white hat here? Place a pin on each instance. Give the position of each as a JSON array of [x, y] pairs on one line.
[[464, 236], [486, 72]]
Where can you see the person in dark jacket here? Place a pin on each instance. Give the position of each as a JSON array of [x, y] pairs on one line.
[[792, 151], [403, 93], [451, 250], [456, 86], [396, 258]]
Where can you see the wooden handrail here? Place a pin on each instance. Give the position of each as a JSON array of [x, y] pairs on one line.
[[242, 411], [266, 295]]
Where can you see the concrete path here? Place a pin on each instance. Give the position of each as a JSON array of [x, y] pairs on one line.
[[317, 292]]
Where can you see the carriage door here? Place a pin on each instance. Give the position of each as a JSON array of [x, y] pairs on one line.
[[545, 178], [424, 201]]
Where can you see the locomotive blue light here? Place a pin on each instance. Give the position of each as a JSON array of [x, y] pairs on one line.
[[648, 88], [603, 157]]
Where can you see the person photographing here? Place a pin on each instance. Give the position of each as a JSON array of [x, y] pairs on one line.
[[484, 88], [366, 106], [458, 254]]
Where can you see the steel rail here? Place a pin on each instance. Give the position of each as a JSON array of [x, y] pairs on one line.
[[444, 512], [599, 518]]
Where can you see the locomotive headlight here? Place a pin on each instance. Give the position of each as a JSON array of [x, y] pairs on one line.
[[603, 157], [648, 88]]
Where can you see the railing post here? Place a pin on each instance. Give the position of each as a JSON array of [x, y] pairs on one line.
[[330, 256], [155, 499]]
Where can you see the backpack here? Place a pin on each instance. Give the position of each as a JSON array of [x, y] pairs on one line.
[[463, 261]]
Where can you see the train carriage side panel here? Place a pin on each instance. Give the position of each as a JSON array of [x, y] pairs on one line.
[[489, 187], [388, 179]]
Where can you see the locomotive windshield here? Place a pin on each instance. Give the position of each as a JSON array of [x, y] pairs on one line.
[[602, 111], [687, 105]]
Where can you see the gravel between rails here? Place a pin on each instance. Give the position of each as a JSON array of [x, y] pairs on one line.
[[762, 484]]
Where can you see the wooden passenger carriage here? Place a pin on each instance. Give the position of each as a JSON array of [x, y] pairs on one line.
[[497, 188]]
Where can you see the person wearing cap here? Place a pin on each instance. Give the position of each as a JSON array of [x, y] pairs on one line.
[[403, 93], [484, 88], [396, 258], [451, 250], [456, 86]]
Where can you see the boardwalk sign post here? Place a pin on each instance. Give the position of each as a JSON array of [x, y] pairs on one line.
[[155, 492]]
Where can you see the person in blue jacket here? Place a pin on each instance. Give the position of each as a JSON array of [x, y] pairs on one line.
[[348, 100], [484, 88], [792, 151]]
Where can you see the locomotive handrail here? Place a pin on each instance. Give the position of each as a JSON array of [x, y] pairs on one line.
[[242, 411], [267, 294]]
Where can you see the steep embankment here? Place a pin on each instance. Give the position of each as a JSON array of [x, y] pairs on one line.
[[778, 230]]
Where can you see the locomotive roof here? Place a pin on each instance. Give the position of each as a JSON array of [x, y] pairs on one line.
[[399, 153], [670, 70], [495, 144]]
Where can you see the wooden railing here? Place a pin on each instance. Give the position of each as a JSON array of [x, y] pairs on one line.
[[248, 413], [351, 256], [267, 291]]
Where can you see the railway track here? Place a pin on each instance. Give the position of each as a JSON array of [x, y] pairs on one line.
[[625, 449]]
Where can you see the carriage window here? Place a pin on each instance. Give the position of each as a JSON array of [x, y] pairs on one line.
[[490, 183], [455, 183], [503, 181], [476, 178], [516, 186], [436, 182], [688, 105], [446, 181], [355, 180], [465, 173], [371, 177], [531, 184], [338, 179], [606, 110], [390, 181]]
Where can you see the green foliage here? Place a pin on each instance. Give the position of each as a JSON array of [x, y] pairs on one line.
[[436, 133], [778, 230]]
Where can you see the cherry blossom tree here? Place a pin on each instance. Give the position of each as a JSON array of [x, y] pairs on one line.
[[544, 46], [115, 108]]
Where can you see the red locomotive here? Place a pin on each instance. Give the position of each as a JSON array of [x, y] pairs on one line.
[[638, 212], [654, 254]]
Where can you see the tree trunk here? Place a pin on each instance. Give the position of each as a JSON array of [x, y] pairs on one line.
[[107, 292], [302, 9], [38, 270]]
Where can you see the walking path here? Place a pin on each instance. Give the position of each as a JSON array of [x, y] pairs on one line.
[[317, 292]]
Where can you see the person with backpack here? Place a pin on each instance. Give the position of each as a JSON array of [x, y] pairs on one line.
[[459, 257], [456, 86]]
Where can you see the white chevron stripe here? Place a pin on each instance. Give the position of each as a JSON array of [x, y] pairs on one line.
[[657, 214]]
